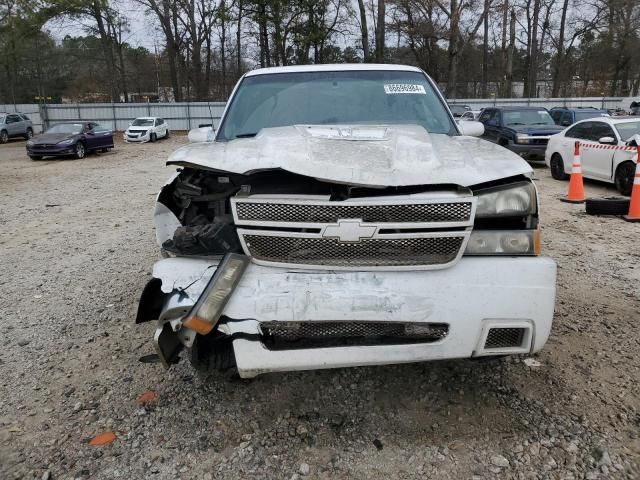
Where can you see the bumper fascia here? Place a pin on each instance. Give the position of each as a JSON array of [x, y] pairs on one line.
[[52, 152], [470, 296], [528, 152]]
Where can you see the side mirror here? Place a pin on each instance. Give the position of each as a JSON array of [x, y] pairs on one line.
[[565, 123], [471, 128], [201, 134], [607, 140]]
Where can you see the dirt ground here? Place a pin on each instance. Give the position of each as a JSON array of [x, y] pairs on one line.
[[76, 248]]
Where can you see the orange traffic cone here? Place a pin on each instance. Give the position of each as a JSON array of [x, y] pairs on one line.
[[634, 205], [576, 189]]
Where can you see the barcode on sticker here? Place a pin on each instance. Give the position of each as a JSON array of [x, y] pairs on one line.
[[392, 88]]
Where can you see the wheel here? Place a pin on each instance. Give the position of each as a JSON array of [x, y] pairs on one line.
[[29, 134], [35, 157], [166, 135], [153, 137], [4, 136], [105, 150], [212, 352], [79, 150], [624, 177], [556, 165], [607, 206]]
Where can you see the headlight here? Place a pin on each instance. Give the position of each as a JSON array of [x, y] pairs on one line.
[[510, 201], [522, 138], [66, 142], [30, 143], [205, 314], [503, 242]]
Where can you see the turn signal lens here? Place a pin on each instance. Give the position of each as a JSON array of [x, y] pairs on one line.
[[206, 313]]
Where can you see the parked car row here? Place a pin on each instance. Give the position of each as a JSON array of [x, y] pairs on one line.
[[76, 139], [536, 134]]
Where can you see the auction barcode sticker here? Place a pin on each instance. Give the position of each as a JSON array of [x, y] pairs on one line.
[[392, 88]]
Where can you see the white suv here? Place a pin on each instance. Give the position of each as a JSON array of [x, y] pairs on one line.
[[146, 129], [340, 217]]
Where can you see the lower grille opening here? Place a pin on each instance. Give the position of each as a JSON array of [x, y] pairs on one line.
[[295, 335], [504, 338]]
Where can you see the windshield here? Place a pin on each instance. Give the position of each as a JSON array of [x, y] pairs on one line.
[[628, 129], [527, 117], [74, 128], [320, 98], [142, 122]]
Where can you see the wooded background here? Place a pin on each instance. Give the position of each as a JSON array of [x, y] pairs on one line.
[[472, 48]]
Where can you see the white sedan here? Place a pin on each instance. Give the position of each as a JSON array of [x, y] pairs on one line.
[[604, 151], [146, 129]]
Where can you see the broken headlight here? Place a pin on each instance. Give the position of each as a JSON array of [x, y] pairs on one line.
[[515, 200], [205, 314]]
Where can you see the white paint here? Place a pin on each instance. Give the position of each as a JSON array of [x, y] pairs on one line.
[[475, 291]]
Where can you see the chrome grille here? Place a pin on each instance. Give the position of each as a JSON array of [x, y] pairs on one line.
[[281, 248], [382, 213], [291, 335], [504, 338]]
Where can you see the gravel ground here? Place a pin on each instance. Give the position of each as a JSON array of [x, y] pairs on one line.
[[76, 248]]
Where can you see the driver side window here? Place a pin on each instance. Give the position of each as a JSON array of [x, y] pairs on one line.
[[578, 131]]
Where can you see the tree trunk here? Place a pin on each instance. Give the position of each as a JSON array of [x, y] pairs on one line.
[[238, 40], [533, 60], [485, 50], [558, 66], [380, 32], [364, 31], [508, 84], [452, 50]]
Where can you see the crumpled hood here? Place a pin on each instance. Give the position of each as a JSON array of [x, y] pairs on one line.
[[398, 155]]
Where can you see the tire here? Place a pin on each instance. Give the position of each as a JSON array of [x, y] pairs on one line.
[[104, 150], [167, 134], [213, 352], [4, 136], [624, 177], [80, 151], [607, 206], [556, 165], [35, 157], [29, 134], [153, 137]]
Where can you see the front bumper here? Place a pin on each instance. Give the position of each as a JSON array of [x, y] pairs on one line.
[[54, 151], [136, 139], [528, 152], [476, 293]]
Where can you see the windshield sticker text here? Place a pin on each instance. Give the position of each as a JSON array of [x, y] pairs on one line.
[[393, 88]]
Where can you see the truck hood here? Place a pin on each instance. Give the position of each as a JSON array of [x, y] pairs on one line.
[[380, 155]]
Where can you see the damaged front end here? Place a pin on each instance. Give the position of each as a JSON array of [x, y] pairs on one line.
[[207, 221], [346, 249]]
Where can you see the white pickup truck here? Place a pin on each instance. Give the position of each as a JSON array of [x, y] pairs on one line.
[[340, 217]]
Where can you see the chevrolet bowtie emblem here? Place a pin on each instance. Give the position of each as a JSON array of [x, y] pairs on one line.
[[349, 231]]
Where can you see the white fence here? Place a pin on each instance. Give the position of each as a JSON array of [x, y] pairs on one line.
[[179, 116], [187, 115]]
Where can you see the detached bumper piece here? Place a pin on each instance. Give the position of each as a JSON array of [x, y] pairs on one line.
[[292, 335]]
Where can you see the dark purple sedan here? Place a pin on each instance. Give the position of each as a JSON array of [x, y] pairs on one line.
[[70, 139]]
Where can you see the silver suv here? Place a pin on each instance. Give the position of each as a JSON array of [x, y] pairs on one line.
[[15, 125]]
